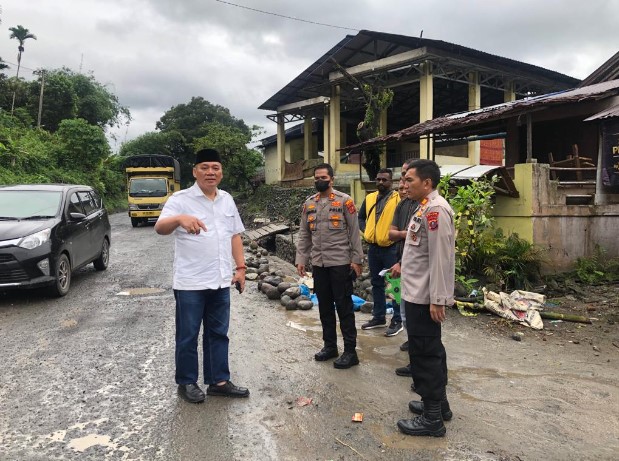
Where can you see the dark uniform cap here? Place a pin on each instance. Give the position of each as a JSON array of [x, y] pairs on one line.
[[207, 155]]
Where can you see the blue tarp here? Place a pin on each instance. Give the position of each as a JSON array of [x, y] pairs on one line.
[[357, 302]]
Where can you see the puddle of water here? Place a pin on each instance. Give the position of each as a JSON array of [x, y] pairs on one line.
[[490, 373], [402, 441], [296, 326], [304, 321], [140, 291], [91, 440], [372, 345]]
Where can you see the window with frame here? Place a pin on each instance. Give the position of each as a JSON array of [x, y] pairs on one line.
[[97, 199], [87, 202], [75, 206]]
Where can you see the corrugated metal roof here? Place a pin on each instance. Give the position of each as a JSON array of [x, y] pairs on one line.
[[608, 113], [369, 45], [504, 185], [607, 71], [500, 111]]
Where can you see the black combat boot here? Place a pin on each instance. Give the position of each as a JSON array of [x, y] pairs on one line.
[[429, 423], [416, 407]]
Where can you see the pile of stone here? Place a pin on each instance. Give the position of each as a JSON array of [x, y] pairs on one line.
[[288, 293], [274, 284], [256, 261], [278, 286]]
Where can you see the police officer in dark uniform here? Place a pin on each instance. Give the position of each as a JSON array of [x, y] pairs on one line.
[[329, 237]]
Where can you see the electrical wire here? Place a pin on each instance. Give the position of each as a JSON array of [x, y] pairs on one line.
[[286, 17], [21, 67]]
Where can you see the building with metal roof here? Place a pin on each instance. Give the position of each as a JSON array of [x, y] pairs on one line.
[[429, 78], [562, 150]]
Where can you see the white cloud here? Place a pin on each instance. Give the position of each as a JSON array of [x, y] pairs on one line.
[[155, 54]]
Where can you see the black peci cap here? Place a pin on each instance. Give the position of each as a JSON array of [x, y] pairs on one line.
[[207, 155]]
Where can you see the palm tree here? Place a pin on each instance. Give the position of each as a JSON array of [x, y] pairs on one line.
[[21, 34]]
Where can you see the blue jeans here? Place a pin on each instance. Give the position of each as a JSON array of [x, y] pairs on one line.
[[380, 258], [210, 308]]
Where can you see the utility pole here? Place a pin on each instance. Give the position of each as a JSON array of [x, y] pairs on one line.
[[42, 71]]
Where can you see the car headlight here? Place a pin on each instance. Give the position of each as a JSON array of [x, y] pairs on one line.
[[133, 207], [35, 240], [161, 205]]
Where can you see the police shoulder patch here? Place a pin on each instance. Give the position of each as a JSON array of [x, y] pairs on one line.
[[432, 218], [350, 206]]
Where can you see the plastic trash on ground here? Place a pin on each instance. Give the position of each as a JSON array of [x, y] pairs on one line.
[[519, 306], [357, 302]]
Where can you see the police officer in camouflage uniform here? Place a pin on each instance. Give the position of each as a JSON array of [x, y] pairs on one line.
[[329, 237], [428, 272]]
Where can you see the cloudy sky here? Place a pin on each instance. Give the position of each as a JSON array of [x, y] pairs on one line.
[[154, 54]]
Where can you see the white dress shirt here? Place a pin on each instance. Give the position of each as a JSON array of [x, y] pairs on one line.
[[203, 261]]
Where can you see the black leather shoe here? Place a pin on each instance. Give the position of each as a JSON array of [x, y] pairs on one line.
[[191, 393], [404, 371], [347, 360], [422, 426], [227, 390], [326, 353], [429, 423], [404, 346]]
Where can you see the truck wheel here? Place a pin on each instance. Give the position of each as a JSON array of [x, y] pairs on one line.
[[135, 222], [62, 271], [104, 258]]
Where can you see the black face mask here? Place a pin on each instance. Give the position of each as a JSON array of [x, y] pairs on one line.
[[321, 186]]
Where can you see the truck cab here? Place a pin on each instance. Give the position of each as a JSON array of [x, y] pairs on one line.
[[151, 179]]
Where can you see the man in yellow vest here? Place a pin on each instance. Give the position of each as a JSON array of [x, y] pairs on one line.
[[375, 218]]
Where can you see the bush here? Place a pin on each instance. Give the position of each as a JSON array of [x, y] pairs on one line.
[[482, 250], [597, 269]]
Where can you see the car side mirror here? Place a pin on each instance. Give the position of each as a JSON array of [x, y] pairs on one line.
[[77, 216]]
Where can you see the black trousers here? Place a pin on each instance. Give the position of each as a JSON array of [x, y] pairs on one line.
[[426, 351], [334, 285]]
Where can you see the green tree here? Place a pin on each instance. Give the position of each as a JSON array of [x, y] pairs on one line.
[[239, 162], [21, 34], [83, 146], [192, 119], [70, 95]]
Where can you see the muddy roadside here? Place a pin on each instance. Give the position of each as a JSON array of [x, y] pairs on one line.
[[550, 395]]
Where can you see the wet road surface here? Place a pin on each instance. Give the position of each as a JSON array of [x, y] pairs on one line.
[[91, 376]]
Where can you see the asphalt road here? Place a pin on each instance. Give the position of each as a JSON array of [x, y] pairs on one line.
[[91, 376]]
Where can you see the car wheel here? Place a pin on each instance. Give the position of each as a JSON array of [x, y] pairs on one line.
[[135, 222], [63, 276], [104, 258]]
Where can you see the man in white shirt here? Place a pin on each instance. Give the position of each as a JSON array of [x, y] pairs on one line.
[[206, 227]]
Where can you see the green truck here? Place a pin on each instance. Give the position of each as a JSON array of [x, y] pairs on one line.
[[151, 179]]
